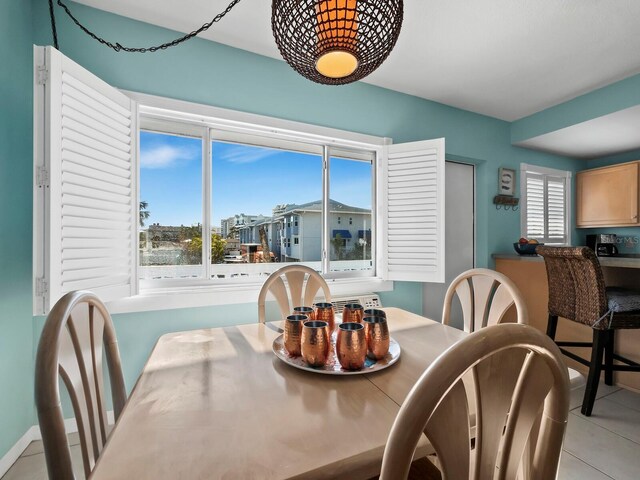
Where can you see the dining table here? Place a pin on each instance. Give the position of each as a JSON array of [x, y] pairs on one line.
[[218, 404]]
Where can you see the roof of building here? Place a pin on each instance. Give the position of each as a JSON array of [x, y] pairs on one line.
[[334, 207]]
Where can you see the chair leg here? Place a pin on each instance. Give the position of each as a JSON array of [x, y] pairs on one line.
[[552, 324], [599, 341], [608, 358]]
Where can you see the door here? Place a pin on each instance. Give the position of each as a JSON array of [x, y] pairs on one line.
[[459, 238]]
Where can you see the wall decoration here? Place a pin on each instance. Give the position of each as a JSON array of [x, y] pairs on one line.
[[506, 181]]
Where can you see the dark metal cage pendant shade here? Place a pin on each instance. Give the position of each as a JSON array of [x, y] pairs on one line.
[[335, 42]]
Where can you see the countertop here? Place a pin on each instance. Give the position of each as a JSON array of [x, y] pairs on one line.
[[619, 261]]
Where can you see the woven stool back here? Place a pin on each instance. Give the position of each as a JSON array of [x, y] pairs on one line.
[[576, 284]]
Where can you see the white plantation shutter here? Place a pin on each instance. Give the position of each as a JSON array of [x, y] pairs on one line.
[[535, 206], [413, 197], [89, 198], [545, 215]]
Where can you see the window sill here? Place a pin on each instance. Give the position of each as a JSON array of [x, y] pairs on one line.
[[209, 296]]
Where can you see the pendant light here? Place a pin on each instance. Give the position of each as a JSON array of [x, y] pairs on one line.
[[336, 42]]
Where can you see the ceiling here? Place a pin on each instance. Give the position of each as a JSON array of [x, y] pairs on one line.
[[503, 58], [614, 133]]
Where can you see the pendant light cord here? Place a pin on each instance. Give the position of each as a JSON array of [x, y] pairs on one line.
[[53, 25], [117, 46]]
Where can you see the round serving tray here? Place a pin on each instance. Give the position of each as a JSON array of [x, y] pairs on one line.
[[333, 367]]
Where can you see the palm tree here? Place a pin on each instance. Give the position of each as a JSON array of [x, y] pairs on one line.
[[144, 213]]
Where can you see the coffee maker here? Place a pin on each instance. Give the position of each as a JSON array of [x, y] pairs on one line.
[[604, 244]]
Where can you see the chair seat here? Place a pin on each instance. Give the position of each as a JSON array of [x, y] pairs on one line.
[[622, 299]]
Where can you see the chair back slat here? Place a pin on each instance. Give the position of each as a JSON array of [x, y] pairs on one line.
[[485, 297], [295, 280], [521, 388], [496, 378], [534, 383], [576, 284], [501, 301], [76, 337], [465, 295], [452, 438], [483, 287], [73, 371], [279, 291], [292, 286]]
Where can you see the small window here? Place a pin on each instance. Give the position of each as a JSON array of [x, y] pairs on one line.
[[350, 221], [296, 241], [338, 220], [545, 204]]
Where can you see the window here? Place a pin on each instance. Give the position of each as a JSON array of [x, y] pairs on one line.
[[170, 239], [212, 201], [545, 204]]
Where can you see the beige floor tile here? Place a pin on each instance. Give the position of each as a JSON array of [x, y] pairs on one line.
[[607, 452], [627, 398], [37, 447], [572, 468], [617, 418], [577, 395], [33, 467]]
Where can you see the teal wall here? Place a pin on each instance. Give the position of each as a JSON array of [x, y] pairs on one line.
[[214, 74], [16, 345]]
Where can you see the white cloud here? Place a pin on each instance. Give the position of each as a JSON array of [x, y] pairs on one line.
[[165, 156], [247, 155]]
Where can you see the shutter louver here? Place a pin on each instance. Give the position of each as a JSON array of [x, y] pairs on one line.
[[545, 208], [535, 206], [556, 215], [92, 130], [415, 211]]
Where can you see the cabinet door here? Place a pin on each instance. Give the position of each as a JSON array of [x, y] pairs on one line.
[[608, 196]]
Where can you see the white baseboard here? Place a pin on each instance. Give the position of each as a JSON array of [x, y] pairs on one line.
[[14, 452], [34, 434]]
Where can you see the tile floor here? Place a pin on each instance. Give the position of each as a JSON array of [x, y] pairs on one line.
[[602, 447]]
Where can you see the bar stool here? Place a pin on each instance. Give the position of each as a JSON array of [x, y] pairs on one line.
[[577, 292]]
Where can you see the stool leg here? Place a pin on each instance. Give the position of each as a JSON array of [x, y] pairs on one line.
[[552, 324], [608, 358], [599, 341]]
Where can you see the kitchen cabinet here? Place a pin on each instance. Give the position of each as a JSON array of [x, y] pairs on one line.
[[608, 196]]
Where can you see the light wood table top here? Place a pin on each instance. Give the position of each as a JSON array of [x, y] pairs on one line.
[[218, 404]]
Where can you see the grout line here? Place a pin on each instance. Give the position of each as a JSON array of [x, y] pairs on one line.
[[31, 454], [564, 452], [625, 405], [588, 419]]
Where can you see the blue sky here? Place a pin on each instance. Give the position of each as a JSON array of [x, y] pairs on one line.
[[246, 179]]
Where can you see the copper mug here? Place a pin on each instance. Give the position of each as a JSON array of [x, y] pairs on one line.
[[375, 312], [308, 311], [323, 312], [376, 332], [315, 343], [293, 334], [352, 312], [351, 346]]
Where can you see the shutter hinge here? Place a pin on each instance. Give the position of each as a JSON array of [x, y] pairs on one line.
[[42, 75], [42, 177], [42, 287]]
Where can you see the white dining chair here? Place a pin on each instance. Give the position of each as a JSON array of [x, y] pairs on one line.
[[522, 391], [76, 335], [485, 297], [292, 286]]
